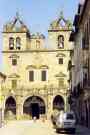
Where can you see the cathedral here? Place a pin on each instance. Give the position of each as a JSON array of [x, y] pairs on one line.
[[36, 69]]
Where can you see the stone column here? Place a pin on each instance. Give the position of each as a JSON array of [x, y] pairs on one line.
[[19, 107], [19, 111], [2, 108], [67, 105], [49, 106]]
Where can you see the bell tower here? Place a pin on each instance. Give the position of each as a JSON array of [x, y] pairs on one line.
[[59, 32], [15, 35]]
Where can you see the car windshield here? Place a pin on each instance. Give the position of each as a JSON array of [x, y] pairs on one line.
[[70, 116]]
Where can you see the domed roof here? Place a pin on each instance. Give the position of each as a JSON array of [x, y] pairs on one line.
[[16, 25], [60, 23]]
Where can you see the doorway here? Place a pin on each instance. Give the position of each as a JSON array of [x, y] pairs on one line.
[[34, 106], [35, 110]]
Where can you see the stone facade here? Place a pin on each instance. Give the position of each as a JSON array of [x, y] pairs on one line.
[[37, 76], [81, 70], [2, 82]]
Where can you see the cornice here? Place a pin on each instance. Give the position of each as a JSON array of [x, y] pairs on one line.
[[37, 51]]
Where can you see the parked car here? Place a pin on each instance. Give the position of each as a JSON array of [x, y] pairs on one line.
[[54, 116], [66, 122]]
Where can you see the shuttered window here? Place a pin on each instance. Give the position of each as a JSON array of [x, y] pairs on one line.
[[43, 75], [14, 62], [14, 84], [31, 75], [60, 61], [61, 82]]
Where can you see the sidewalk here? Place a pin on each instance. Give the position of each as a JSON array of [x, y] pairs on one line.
[[82, 129]]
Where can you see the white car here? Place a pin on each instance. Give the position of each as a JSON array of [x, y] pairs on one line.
[[66, 122]]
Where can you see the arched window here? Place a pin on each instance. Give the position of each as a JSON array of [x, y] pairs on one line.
[[11, 43], [60, 41], [18, 43]]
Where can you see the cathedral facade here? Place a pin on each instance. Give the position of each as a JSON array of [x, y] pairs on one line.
[[36, 69]]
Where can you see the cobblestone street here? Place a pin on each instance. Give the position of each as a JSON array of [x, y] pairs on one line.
[[35, 128]]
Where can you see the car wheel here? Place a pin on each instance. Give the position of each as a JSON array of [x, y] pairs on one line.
[[57, 130]]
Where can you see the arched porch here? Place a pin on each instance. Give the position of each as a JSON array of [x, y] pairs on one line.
[[10, 108], [34, 106], [58, 103]]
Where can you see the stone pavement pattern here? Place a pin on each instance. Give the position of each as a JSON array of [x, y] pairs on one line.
[[35, 128]]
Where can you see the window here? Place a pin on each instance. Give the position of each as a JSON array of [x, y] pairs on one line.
[[14, 84], [70, 117], [31, 75], [86, 37], [61, 82], [18, 43], [14, 62], [60, 60], [37, 44], [89, 26], [11, 43], [60, 41], [43, 75]]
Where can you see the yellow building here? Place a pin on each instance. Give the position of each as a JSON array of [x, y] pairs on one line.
[[37, 76], [2, 82]]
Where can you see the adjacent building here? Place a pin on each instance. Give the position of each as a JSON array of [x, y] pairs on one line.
[[80, 69]]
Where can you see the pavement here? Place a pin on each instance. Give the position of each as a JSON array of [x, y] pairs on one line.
[[36, 128], [82, 130]]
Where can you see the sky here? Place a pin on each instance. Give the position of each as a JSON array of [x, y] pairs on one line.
[[36, 14]]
